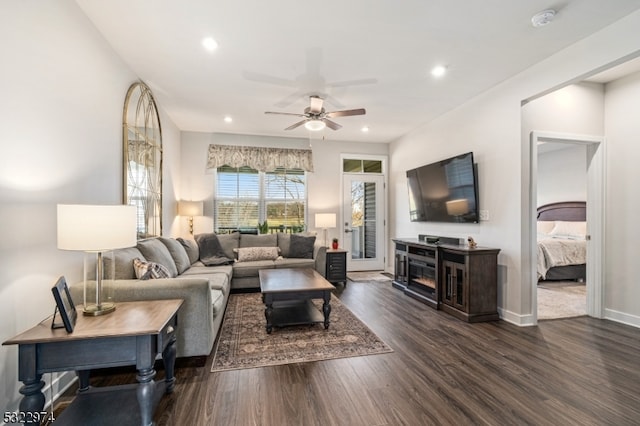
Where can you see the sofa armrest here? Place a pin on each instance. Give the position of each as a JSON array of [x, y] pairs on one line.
[[320, 256], [195, 317]]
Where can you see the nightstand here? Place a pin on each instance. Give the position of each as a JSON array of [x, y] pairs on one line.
[[336, 268]]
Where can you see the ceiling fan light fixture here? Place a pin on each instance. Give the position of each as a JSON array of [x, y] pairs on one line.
[[314, 125]]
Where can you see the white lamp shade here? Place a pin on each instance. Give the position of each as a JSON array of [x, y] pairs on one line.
[[96, 228], [190, 208], [325, 220], [458, 207], [314, 125]]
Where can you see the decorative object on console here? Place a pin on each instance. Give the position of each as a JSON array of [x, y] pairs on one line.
[[325, 221], [96, 229], [190, 209], [471, 242], [334, 244], [64, 306]]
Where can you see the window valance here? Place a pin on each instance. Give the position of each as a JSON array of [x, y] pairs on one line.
[[259, 158]]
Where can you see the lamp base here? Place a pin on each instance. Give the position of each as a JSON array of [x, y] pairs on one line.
[[97, 310]]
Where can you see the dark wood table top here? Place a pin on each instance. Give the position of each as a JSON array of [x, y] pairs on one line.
[[293, 279], [129, 319]]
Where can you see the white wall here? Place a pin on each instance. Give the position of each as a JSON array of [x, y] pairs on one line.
[[323, 187], [562, 174], [622, 128], [63, 90], [491, 125]]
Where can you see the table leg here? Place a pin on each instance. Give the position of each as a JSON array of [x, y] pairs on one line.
[[326, 309], [144, 393], [268, 313], [83, 378], [169, 360], [33, 400]]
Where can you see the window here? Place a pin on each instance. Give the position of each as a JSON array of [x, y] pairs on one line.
[[246, 197]]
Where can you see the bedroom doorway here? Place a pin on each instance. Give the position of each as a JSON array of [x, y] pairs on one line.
[[595, 215]]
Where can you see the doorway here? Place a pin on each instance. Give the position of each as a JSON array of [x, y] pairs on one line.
[[595, 215], [364, 213]]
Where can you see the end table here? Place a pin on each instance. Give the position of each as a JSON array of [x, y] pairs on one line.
[[336, 267]]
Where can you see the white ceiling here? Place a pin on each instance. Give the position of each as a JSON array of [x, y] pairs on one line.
[[373, 54]]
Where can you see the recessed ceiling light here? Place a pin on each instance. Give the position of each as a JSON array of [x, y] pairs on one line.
[[227, 119], [438, 71], [543, 18], [365, 129], [209, 43]]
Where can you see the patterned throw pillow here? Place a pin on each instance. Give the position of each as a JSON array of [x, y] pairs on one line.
[[149, 270], [248, 254]]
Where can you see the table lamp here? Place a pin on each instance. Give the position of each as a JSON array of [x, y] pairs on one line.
[[96, 229], [190, 209], [325, 221]]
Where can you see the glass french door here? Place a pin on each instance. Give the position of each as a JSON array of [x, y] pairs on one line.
[[364, 221]]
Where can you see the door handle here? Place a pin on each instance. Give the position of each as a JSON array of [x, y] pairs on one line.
[[346, 231]]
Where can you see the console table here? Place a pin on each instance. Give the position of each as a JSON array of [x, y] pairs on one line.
[[460, 280], [132, 335]]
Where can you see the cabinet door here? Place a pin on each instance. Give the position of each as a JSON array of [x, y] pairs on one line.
[[455, 288], [400, 268]]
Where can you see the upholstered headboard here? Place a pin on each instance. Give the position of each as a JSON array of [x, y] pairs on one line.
[[571, 211]]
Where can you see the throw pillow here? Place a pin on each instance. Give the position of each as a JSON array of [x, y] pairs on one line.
[[301, 247], [191, 247], [211, 252], [249, 254], [149, 270], [178, 253], [154, 251], [229, 242]]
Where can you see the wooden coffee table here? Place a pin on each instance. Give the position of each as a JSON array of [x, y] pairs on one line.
[[288, 293]]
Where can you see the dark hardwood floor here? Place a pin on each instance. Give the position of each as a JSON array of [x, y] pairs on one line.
[[579, 371]]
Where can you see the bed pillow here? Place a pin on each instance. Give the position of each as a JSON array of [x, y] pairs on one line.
[[249, 254], [545, 226], [149, 270], [571, 230]]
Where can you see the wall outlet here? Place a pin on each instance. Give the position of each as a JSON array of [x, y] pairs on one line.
[[484, 214]]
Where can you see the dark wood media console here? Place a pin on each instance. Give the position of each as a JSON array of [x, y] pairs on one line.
[[461, 281]]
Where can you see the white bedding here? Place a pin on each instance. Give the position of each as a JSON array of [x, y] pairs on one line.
[[559, 252]]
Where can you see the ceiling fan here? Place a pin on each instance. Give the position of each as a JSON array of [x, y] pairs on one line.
[[316, 118]]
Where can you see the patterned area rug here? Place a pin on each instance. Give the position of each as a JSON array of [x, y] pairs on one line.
[[561, 300], [368, 276], [244, 342]]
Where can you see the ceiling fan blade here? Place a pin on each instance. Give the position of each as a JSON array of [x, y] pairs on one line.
[[285, 113], [315, 104], [333, 114], [331, 124], [298, 124]]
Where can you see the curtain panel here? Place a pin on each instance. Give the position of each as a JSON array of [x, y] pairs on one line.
[[259, 158]]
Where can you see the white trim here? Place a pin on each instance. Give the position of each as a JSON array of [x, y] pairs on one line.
[[595, 218]]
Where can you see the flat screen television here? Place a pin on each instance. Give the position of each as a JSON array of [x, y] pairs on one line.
[[445, 191]]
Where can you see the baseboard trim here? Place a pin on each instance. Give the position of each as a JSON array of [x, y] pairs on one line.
[[621, 317], [513, 318]]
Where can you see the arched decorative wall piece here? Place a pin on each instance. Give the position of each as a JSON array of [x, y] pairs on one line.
[[142, 159]]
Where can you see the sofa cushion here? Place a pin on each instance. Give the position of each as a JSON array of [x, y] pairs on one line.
[[121, 266], [248, 254], [294, 263], [154, 251], [191, 247], [211, 252], [265, 240], [149, 270], [250, 269], [218, 281], [217, 302], [284, 242], [301, 247], [229, 242], [178, 253]]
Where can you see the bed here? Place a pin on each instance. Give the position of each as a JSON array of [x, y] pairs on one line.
[[562, 245]]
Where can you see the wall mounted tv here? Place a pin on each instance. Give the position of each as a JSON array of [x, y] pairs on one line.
[[445, 191]]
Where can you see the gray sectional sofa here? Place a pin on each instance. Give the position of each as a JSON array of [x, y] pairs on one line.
[[203, 282]]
